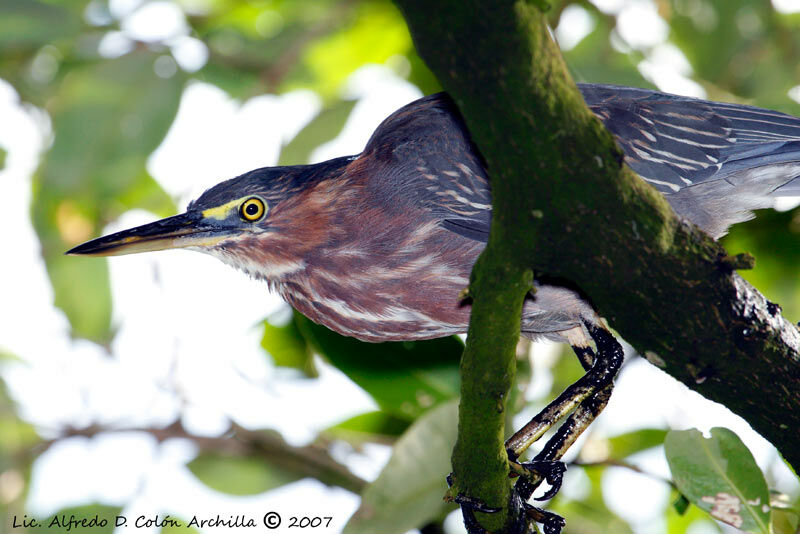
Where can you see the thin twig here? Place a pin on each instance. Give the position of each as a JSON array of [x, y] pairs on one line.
[[312, 460]]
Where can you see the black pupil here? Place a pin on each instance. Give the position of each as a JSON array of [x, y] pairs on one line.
[[251, 209]]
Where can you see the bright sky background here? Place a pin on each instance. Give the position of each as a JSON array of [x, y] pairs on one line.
[[188, 336]]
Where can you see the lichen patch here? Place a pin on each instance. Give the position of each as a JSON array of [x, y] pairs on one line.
[[725, 507]]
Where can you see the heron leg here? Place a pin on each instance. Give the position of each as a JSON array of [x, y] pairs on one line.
[[546, 465], [585, 355], [586, 398]]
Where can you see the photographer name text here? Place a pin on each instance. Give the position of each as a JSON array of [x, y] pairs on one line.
[[270, 520]]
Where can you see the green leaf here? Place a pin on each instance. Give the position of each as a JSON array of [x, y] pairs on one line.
[[785, 514], [630, 443], [94, 518], [107, 119], [321, 129], [237, 475], [720, 476], [370, 426], [408, 492], [405, 379], [288, 347], [3, 154], [376, 33], [711, 37], [30, 23]]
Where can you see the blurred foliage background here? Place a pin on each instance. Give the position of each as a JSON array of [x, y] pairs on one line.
[[107, 97]]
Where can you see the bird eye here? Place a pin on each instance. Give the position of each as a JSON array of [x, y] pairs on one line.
[[253, 209]]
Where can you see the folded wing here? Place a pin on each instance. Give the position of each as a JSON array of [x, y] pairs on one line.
[[714, 162]]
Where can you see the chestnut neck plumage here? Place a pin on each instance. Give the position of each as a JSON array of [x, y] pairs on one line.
[[384, 271]]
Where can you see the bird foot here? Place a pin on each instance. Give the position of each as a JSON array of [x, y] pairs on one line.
[[528, 514], [470, 505], [524, 513], [552, 523], [551, 471]]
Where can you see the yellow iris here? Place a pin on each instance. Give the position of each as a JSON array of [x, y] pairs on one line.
[[253, 209]]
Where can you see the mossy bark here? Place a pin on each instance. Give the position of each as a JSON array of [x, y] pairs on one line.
[[564, 205]]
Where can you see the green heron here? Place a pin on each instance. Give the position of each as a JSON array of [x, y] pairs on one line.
[[379, 245]]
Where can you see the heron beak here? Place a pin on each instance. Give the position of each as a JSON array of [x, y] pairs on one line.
[[188, 229]]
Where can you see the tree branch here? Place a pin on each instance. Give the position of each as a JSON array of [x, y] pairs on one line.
[[566, 206], [312, 460]]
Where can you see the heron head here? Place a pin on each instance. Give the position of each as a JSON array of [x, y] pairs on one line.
[[261, 222]]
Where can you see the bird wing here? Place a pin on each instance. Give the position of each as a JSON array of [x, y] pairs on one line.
[[426, 153], [714, 162]]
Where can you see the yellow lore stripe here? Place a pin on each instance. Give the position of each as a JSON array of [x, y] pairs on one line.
[[222, 212]]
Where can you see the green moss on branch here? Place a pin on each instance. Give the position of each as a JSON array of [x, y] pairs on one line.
[[480, 463]]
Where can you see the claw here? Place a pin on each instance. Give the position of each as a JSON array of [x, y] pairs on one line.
[[524, 513], [474, 505], [554, 524], [551, 522], [528, 514], [470, 505], [553, 473], [534, 472]]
